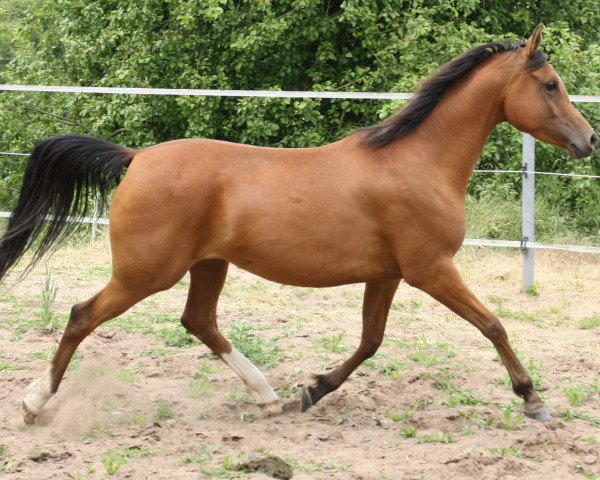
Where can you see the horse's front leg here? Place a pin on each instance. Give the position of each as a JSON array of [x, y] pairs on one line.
[[442, 281], [376, 305]]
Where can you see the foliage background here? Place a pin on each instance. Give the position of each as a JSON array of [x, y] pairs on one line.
[[355, 45]]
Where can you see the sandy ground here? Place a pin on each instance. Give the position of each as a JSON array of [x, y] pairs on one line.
[[140, 402]]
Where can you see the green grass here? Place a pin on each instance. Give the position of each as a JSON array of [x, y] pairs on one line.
[[440, 437], [176, 336], [333, 343], [164, 411], [48, 297], [464, 397], [114, 460], [510, 420], [265, 353], [7, 367], [508, 451], [589, 323], [408, 432], [127, 376], [199, 386]]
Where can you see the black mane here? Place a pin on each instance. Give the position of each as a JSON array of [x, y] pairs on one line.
[[433, 89]]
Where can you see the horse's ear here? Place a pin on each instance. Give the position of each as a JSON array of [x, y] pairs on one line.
[[533, 42]]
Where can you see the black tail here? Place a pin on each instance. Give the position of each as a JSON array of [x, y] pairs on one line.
[[61, 174]]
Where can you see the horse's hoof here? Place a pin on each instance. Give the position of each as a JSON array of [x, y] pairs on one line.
[[306, 400], [28, 416], [539, 414]]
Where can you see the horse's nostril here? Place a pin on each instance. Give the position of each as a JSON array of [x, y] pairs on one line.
[[594, 139]]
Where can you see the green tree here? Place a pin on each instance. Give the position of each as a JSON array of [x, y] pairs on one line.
[[356, 45]]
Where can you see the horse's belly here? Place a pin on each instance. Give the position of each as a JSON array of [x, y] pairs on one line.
[[318, 267]]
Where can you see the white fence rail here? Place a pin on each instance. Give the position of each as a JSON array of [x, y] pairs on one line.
[[527, 244]]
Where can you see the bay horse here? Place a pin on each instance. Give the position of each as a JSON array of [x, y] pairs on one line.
[[385, 203]]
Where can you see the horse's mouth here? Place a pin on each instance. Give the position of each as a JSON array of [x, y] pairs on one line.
[[577, 152]]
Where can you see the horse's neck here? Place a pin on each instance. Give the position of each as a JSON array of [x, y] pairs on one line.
[[454, 134]]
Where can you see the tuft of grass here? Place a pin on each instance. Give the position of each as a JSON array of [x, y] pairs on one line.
[[48, 297], [392, 369], [115, 460], [408, 432], [127, 376], [533, 290], [588, 323], [260, 352], [333, 343], [176, 337], [508, 451], [464, 397], [199, 385], [510, 421], [164, 411], [578, 393], [440, 437], [7, 367]]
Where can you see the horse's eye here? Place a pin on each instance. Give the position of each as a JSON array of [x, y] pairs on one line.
[[551, 86]]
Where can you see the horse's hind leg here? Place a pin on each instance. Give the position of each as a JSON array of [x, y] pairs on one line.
[[443, 282], [200, 318], [111, 301], [376, 306]]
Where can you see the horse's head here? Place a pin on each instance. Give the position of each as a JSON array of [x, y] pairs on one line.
[[536, 102]]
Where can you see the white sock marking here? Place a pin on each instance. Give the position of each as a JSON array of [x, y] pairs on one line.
[[38, 393], [250, 375]]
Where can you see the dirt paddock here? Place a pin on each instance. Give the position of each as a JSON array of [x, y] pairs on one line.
[[143, 399]]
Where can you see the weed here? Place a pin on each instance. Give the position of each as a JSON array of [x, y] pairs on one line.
[[427, 359], [8, 466], [465, 397], [443, 379], [236, 395], [138, 420], [589, 323], [47, 303], [390, 370], [408, 432], [289, 390], [127, 376], [577, 394], [203, 457], [570, 415], [164, 411], [2, 450], [206, 368], [176, 337], [333, 343], [258, 351], [115, 460], [508, 451], [198, 386], [533, 290], [440, 437], [246, 417], [510, 422], [395, 417], [7, 367]]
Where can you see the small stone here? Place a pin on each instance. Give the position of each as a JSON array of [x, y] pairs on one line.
[[589, 459]]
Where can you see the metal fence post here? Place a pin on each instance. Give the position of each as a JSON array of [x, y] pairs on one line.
[[528, 210]]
